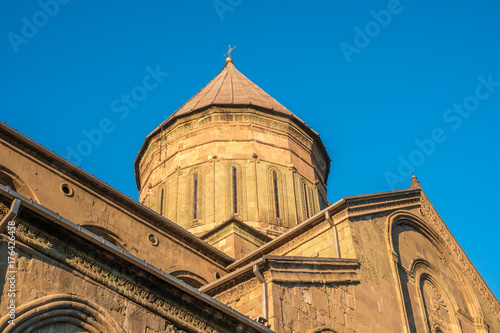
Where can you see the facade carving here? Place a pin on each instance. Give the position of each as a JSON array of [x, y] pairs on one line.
[[61, 310], [116, 277], [465, 263]]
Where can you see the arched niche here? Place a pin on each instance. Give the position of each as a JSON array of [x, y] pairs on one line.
[[69, 312], [13, 181], [106, 234], [323, 329], [194, 280], [419, 251], [438, 305]]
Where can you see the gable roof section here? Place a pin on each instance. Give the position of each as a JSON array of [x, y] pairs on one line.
[[239, 224]]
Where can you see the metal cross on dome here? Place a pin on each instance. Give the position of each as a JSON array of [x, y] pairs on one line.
[[228, 53]]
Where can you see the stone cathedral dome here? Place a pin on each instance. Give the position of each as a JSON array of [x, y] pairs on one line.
[[233, 166]]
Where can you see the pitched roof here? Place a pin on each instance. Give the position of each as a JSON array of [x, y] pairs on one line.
[[230, 87]]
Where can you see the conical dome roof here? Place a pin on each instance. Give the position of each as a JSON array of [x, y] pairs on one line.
[[230, 88]]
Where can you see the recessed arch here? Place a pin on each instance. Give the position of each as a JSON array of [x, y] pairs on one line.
[[398, 218], [195, 197], [235, 190], [323, 329], [60, 309], [434, 296], [194, 280], [426, 274], [276, 198], [106, 234], [12, 180]]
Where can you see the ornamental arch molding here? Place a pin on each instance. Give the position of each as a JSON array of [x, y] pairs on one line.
[[194, 280], [426, 276], [421, 266], [60, 309], [106, 234]]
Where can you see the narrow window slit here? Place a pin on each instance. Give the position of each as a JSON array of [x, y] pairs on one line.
[[235, 190], [276, 197], [161, 202], [195, 196], [305, 200]]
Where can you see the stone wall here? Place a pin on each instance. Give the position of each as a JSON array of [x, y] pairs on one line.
[[301, 307], [246, 297], [317, 243], [209, 144]]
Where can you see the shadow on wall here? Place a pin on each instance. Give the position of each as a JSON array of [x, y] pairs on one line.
[[192, 279]]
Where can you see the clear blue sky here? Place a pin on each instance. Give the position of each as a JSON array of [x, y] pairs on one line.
[[376, 79]]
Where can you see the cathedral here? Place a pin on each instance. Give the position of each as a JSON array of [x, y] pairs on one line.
[[232, 232]]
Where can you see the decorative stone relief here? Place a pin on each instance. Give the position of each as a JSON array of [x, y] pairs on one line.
[[435, 308], [124, 280], [468, 268], [437, 301], [173, 329], [4, 209]]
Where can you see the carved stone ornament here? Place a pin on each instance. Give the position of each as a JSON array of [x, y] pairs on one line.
[[3, 210], [116, 275], [468, 268]]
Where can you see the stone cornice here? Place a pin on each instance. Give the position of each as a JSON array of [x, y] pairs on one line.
[[283, 269], [312, 270], [373, 203]]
